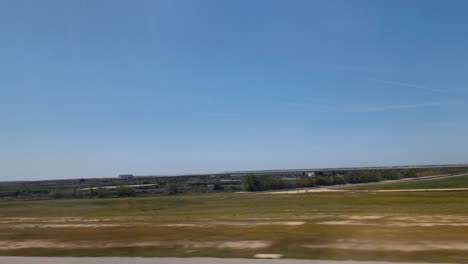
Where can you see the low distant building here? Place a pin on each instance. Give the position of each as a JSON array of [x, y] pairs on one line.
[[126, 176], [310, 173]]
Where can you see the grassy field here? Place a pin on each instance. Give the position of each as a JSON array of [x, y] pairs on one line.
[[452, 182], [350, 225]]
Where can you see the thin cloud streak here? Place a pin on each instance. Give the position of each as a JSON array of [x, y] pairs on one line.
[[411, 85], [405, 106]]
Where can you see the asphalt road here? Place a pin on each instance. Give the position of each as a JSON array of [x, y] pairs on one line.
[[110, 260]]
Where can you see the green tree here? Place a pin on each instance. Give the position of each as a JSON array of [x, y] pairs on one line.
[[171, 188], [251, 183]]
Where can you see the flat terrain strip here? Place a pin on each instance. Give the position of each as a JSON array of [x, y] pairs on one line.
[[108, 260]]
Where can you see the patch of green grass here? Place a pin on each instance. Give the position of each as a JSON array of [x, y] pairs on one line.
[[451, 182], [234, 206]]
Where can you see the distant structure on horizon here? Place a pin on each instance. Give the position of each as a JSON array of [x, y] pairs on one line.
[[126, 176]]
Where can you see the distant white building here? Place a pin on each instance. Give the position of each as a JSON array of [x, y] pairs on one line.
[[126, 176], [311, 173]]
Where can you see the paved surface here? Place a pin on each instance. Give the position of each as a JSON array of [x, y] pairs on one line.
[[109, 260]]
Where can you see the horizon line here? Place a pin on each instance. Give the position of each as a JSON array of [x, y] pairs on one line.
[[256, 171]]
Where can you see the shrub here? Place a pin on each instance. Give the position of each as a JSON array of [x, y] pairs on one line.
[[99, 192], [126, 191], [339, 179], [273, 184], [391, 175], [410, 174], [323, 180], [171, 188], [306, 182]]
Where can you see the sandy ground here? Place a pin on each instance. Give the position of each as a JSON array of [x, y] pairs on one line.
[[241, 244], [369, 245], [117, 222], [376, 220], [106, 260]]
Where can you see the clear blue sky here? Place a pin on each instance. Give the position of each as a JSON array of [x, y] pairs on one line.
[[98, 88]]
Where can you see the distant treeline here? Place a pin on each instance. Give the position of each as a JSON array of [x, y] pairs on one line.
[[151, 186], [252, 183], [113, 187]]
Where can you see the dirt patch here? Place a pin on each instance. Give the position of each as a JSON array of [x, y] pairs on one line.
[[6, 220], [417, 190], [294, 223], [365, 217], [243, 244], [430, 218], [241, 224], [268, 256], [392, 246], [318, 190], [76, 222], [394, 224], [318, 218], [64, 225], [249, 244], [288, 223], [399, 220], [183, 225], [314, 190], [346, 222]]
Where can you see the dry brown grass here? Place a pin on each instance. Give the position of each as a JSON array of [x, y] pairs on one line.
[[384, 226]]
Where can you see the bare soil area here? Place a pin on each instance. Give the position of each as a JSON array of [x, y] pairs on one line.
[[250, 244]]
